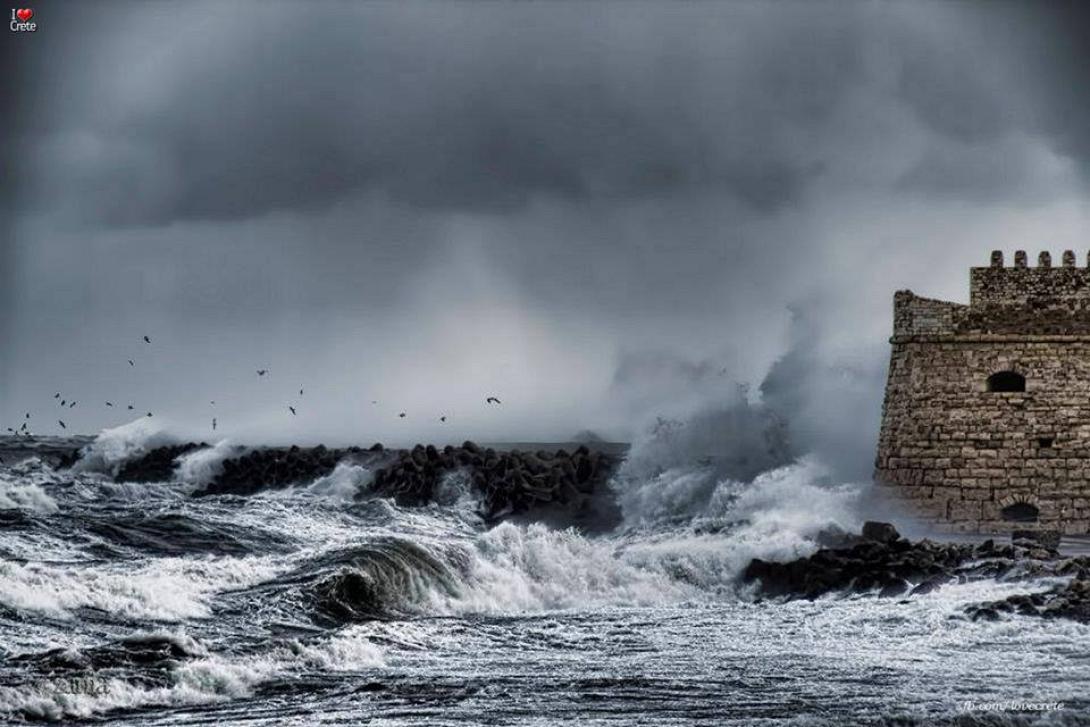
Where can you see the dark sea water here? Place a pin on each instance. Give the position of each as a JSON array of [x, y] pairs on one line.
[[141, 604]]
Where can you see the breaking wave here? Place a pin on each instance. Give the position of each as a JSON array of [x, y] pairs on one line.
[[113, 448]]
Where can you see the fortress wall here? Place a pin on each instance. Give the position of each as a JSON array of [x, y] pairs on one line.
[[913, 315], [959, 454]]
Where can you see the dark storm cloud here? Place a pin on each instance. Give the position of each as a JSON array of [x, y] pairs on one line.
[[261, 108]]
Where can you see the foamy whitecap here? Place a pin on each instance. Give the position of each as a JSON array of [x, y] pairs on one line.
[[168, 589], [23, 495], [207, 679]]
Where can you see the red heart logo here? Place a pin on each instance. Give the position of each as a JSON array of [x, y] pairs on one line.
[[24, 14]]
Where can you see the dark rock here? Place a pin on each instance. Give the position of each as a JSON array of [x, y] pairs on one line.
[[931, 584], [1047, 539], [1070, 601], [894, 589], [155, 466], [880, 532], [889, 564]]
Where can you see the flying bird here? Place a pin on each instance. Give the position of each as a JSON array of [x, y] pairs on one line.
[[131, 362], [108, 404], [300, 392], [147, 340], [262, 372], [213, 424], [56, 396], [149, 413], [213, 403], [62, 424], [28, 415], [492, 400], [64, 402], [131, 407], [71, 405], [402, 415], [292, 410], [442, 419]]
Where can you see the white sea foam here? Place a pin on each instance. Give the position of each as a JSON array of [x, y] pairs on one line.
[[19, 494], [167, 589], [207, 679]]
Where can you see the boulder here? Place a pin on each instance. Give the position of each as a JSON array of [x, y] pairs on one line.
[[880, 532]]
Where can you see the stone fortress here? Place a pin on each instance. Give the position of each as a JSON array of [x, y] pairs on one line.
[[986, 418]]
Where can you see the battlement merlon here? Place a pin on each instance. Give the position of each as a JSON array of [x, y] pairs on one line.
[[1042, 287], [916, 316]]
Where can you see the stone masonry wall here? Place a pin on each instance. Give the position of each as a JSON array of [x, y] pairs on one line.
[[957, 454]]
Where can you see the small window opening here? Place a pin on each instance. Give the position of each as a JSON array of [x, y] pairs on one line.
[[1020, 512], [1006, 381], [1045, 442]]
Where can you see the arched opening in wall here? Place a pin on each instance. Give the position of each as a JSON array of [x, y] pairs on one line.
[[1006, 381], [1020, 512]]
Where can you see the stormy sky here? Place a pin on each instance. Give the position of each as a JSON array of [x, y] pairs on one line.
[[599, 212]]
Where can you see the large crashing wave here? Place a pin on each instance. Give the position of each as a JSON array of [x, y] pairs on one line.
[[113, 448], [515, 567]]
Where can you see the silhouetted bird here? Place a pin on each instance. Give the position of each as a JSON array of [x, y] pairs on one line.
[[108, 404], [147, 340], [149, 413], [300, 392], [402, 415], [131, 407], [492, 400], [292, 410], [131, 362], [213, 403], [71, 405], [62, 424], [11, 430], [213, 424], [262, 372], [442, 419], [56, 396], [64, 402], [28, 415]]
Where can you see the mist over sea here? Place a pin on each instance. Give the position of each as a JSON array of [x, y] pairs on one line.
[[143, 604]]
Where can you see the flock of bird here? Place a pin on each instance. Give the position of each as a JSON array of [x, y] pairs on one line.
[[64, 403]]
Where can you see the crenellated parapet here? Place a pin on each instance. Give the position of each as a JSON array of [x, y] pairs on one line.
[[1043, 286]]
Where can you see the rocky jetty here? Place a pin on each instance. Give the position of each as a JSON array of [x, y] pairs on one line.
[[157, 465], [509, 482], [881, 561], [506, 482], [264, 469], [1070, 601]]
